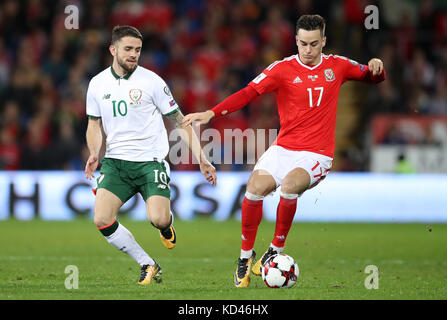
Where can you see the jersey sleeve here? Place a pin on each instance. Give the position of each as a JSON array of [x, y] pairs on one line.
[[92, 106], [360, 72], [267, 81], [163, 98]]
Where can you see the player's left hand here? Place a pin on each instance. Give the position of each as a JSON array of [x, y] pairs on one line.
[[90, 167], [375, 66], [208, 171]]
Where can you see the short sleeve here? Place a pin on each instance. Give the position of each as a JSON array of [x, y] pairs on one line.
[[92, 106], [267, 81], [163, 98]]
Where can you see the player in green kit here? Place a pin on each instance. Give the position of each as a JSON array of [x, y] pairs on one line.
[[125, 106]]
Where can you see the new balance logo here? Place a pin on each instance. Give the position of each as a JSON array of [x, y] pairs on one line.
[[106, 96], [297, 80]]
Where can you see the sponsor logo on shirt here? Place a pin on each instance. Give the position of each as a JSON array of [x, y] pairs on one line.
[[297, 80], [313, 78], [329, 75]]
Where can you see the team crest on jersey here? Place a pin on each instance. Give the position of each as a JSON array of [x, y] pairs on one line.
[[135, 96], [329, 75]]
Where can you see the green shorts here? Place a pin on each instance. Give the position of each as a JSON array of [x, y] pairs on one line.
[[127, 178]]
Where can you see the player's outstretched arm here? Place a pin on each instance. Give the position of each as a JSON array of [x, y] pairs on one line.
[[373, 73], [200, 117], [231, 104], [94, 139], [188, 135]]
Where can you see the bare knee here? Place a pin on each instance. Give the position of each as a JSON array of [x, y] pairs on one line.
[[101, 222], [261, 185], [161, 221], [106, 208]]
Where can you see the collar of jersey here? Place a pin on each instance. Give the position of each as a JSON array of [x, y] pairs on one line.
[[126, 76], [309, 67]]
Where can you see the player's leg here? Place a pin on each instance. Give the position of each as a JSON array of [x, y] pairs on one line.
[[310, 170], [106, 208], [260, 184], [154, 187], [112, 192], [294, 184], [160, 215]]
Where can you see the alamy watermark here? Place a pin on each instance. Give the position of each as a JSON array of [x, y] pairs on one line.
[[72, 18], [72, 280], [372, 18], [372, 280], [236, 146]]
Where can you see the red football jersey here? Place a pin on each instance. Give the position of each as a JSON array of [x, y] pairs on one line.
[[307, 98]]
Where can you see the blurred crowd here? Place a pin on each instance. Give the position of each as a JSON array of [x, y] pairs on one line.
[[205, 50]]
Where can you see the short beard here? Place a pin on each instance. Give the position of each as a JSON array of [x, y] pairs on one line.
[[124, 66]]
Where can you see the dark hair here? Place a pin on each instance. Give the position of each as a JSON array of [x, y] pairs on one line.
[[119, 32], [310, 22]]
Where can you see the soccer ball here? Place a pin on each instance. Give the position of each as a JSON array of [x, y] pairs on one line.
[[280, 271]]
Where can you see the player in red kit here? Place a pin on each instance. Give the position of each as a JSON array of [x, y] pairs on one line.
[[307, 87]]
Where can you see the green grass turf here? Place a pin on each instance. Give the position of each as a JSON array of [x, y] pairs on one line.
[[412, 261]]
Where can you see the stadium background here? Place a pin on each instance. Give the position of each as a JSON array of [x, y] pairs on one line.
[[206, 50]]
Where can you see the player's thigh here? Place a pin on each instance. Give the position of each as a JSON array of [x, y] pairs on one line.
[[113, 179], [261, 183], [296, 181], [158, 209], [308, 170], [106, 208]]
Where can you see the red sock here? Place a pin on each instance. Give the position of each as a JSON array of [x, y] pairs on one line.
[[284, 218], [251, 218]]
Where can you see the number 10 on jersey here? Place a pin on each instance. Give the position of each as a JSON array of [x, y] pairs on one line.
[[319, 97], [122, 110]]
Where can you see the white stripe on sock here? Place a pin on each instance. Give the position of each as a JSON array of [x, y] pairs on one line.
[[253, 197], [277, 249], [245, 254], [289, 196]]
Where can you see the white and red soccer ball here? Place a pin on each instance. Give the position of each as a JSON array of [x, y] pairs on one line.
[[280, 271]]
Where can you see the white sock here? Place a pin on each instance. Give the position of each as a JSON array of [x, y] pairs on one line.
[[245, 254], [123, 240], [277, 249]]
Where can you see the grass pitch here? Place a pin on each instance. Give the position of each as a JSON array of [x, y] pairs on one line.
[[411, 258]]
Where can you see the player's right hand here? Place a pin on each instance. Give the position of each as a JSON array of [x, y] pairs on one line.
[[209, 171], [201, 117], [90, 167]]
